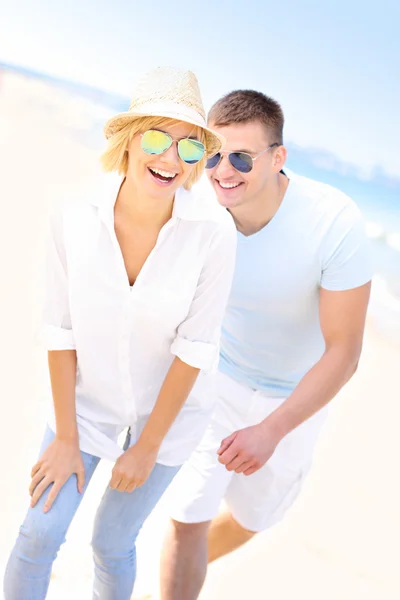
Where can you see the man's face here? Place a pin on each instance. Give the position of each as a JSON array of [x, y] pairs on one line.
[[232, 187]]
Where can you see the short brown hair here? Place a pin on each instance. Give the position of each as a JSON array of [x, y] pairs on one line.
[[243, 106]]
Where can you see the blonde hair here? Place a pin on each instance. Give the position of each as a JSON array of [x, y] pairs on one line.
[[115, 157]]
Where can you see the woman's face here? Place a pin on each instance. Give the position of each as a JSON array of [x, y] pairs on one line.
[[160, 175]]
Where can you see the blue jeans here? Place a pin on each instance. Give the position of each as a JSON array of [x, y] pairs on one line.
[[118, 521]]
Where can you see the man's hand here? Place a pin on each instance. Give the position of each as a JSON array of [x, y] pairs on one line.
[[133, 468], [247, 450]]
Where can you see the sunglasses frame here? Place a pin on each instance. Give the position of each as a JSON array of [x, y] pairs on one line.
[[252, 158], [172, 140]]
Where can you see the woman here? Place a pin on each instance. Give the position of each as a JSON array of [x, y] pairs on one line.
[[139, 274]]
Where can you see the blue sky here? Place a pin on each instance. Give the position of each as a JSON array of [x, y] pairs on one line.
[[334, 66]]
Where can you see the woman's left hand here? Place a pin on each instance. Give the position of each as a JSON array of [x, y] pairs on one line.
[[133, 468]]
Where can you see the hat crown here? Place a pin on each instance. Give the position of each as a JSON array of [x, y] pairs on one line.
[[168, 84], [170, 93]]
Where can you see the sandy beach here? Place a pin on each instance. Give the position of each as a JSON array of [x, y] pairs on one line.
[[340, 541]]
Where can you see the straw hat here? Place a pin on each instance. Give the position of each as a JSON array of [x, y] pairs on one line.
[[171, 93]]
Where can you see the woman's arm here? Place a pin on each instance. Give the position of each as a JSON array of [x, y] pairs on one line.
[[62, 458], [173, 394], [196, 347], [62, 368], [135, 465]]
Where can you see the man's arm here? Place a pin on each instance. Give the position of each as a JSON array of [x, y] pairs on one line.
[[342, 318]]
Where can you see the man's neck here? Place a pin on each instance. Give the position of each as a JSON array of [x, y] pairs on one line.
[[253, 216]]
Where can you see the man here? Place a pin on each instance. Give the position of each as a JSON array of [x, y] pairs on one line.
[[291, 339]]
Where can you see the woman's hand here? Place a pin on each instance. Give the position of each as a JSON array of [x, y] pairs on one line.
[[133, 468], [60, 460]]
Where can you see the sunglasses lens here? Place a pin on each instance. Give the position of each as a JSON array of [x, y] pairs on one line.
[[241, 161], [213, 161], [191, 151], [155, 142]]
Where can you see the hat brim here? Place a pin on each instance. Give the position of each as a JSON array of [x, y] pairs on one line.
[[214, 141]]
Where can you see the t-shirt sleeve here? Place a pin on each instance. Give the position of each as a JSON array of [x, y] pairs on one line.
[[346, 255]]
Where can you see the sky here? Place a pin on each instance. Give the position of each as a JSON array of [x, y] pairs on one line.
[[334, 65]]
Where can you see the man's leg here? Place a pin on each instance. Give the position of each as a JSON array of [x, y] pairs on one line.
[[226, 535], [184, 560], [189, 547], [255, 503], [258, 502], [197, 493]]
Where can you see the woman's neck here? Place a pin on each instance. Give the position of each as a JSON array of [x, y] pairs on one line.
[[142, 209]]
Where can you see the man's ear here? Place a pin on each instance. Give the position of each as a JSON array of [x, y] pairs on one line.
[[279, 159]]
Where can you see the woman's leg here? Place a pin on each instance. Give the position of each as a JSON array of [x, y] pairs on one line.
[[118, 521], [28, 571]]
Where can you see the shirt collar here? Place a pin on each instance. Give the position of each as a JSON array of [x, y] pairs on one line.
[[189, 205]]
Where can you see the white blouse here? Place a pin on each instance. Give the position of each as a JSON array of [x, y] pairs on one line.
[[126, 337]]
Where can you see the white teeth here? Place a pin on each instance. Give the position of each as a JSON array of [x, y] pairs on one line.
[[163, 173], [228, 186]]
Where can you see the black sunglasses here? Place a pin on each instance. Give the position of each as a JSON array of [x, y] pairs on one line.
[[241, 161]]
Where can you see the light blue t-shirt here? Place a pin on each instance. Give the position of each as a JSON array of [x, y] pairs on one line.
[[271, 333]]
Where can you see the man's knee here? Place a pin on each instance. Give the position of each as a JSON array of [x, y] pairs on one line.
[[227, 526], [226, 535], [189, 531], [240, 530]]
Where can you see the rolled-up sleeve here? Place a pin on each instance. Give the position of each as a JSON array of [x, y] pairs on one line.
[[55, 331], [198, 336]]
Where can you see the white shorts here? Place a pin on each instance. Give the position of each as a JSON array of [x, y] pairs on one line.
[[256, 501]]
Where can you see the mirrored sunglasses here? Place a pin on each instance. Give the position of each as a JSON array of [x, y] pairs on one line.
[[157, 142]]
